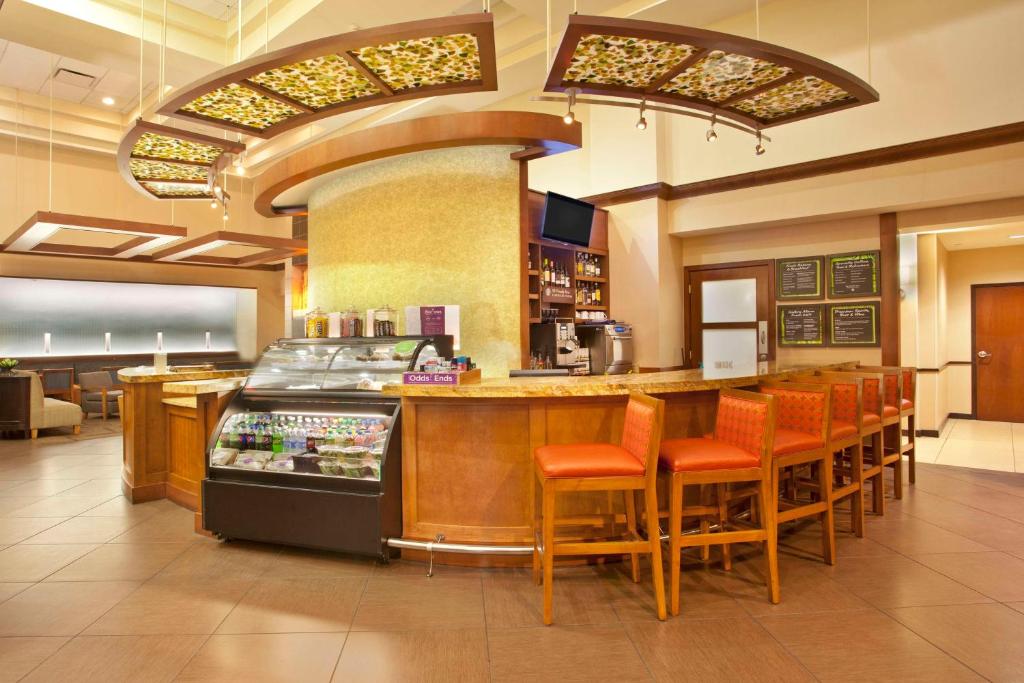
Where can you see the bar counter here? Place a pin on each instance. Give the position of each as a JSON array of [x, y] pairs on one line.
[[467, 450], [167, 418]]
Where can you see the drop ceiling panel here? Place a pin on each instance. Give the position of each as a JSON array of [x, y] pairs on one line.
[[24, 68]]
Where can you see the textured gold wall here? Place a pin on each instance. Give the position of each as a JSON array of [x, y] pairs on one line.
[[429, 228]]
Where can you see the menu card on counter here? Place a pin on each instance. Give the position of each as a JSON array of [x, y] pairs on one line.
[[800, 278], [802, 325], [433, 320], [853, 274], [854, 324]]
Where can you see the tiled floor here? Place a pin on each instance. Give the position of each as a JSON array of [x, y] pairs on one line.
[[973, 443], [95, 589]]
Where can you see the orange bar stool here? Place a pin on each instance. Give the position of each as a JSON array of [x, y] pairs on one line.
[[739, 451], [629, 467], [892, 422], [802, 425], [870, 428]]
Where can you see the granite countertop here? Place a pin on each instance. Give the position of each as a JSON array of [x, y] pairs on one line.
[[203, 386], [143, 374], [609, 385]]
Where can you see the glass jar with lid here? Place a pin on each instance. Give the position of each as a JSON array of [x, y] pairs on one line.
[[351, 323], [384, 319], [316, 324]]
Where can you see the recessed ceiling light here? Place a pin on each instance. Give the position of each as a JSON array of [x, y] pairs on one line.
[[1017, 237], [109, 101]]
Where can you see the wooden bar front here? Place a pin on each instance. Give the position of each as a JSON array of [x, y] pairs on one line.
[[467, 451]]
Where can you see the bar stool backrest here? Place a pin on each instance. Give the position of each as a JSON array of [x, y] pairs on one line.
[[910, 384], [847, 397], [802, 407], [873, 389], [746, 419], [893, 379], [641, 429]]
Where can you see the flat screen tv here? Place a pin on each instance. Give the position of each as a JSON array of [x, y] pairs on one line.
[[567, 220]]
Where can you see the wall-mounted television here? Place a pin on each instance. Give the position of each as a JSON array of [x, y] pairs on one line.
[[567, 220]]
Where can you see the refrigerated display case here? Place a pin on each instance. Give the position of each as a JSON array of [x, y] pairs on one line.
[[308, 451]]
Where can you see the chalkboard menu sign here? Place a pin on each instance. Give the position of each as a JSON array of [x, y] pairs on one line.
[[802, 325], [800, 278], [854, 324], [854, 274]]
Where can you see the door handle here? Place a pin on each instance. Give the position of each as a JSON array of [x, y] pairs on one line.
[[984, 354]]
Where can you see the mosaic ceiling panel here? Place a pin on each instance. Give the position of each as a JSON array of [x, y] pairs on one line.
[[175, 149], [319, 82], [721, 75], [408, 64], [809, 92], [162, 170], [621, 60], [238, 104]]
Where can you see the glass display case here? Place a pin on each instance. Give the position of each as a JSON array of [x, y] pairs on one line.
[[308, 452]]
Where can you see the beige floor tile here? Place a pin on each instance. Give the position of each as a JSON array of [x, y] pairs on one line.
[[404, 603], [60, 609], [1000, 576], [256, 658], [87, 472], [172, 607], [459, 655], [215, 560], [175, 525], [863, 645], [927, 449], [17, 529], [13, 504], [42, 487], [36, 562], [987, 638], [6, 485], [980, 430], [9, 590], [701, 596], [99, 659], [511, 599], [985, 455], [898, 581], [301, 563], [714, 649], [1018, 457], [59, 506], [94, 487], [564, 653], [18, 656], [121, 562], [911, 536], [122, 507], [83, 530], [296, 606], [1019, 606]]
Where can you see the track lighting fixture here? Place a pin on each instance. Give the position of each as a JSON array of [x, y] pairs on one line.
[[569, 117], [641, 123], [759, 148], [213, 203], [711, 135], [239, 164]]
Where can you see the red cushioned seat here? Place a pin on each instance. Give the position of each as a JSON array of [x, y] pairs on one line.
[[890, 411], [792, 441], [843, 430], [871, 419], [587, 460], [906, 404], [697, 455]]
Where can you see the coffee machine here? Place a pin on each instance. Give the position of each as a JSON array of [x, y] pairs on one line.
[[557, 342], [610, 345]]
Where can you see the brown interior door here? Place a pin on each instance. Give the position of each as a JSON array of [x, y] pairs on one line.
[[730, 312], [998, 349]]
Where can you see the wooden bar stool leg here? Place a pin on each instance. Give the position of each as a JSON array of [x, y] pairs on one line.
[[675, 530], [548, 522], [912, 452], [537, 523], [857, 500], [705, 526], [723, 517], [634, 558], [654, 537], [828, 519], [878, 485], [767, 501], [897, 470]]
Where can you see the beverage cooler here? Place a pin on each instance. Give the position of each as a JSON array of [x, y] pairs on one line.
[[309, 452]]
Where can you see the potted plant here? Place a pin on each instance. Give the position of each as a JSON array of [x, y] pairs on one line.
[[7, 365]]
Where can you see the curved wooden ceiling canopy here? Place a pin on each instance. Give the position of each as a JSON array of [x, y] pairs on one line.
[[272, 93], [755, 83], [539, 134], [167, 163]]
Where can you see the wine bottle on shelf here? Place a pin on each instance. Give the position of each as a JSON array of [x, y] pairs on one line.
[[597, 267]]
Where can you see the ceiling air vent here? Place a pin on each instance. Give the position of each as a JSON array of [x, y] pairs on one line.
[[75, 78]]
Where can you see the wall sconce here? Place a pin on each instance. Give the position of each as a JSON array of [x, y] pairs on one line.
[[106, 342], [159, 341], [46, 343], [209, 340]]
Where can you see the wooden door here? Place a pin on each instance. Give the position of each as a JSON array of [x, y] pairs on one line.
[[729, 309], [998, 351]]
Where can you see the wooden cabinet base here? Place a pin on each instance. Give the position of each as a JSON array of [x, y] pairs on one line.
[[467, 465]]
